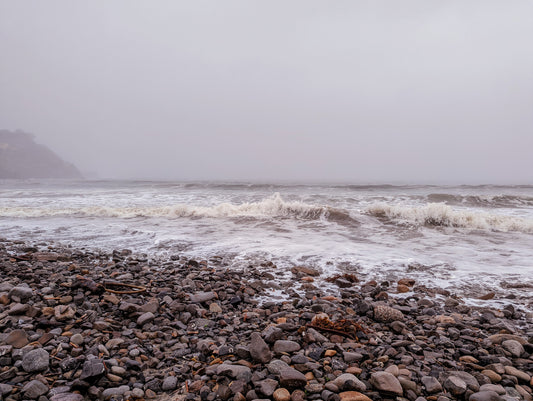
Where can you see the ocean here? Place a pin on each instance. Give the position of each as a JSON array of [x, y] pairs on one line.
[[470, 240]]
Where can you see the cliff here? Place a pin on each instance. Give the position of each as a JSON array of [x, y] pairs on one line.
[[21, 157]]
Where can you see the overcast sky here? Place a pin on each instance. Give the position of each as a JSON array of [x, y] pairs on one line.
[[358, 91]]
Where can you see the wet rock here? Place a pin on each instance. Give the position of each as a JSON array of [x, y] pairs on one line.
[[259, 349], [386, 382], [36, 360], [305, 271]]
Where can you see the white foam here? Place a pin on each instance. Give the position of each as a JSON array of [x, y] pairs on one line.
[[273, 206], [439, 214]]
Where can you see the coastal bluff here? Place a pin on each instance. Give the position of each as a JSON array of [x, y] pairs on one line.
[[21, 158]]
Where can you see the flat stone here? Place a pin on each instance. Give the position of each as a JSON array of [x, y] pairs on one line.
[[307, 271], [115, 391], [470, 380], [215, 308], [145, 318], [64, 312], [492, 375], [493, 387], [386, 382], [36, 360], [286, 346], [67, 397], [485, 396], [17, 338], [350, 357], [348, 381], [92, 369], [259, 349], [353, 396], [511, 370], [34, 389], [514, 347], [499, 338], [77, 339], [282, 394], [238, 372], [200, 297], [17, 309], [291, 378]]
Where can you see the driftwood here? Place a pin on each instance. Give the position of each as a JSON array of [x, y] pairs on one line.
[[135, 289]]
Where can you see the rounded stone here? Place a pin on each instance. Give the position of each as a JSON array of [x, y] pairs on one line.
[[282, 394], [36, 360]]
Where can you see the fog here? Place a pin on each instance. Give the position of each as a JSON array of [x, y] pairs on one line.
[[346, 91]]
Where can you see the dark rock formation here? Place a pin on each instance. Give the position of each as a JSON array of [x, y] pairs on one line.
[[21, 158]]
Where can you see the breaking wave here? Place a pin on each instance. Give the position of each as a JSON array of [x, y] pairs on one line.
[[439, 214], [273, 206], [509, 201]]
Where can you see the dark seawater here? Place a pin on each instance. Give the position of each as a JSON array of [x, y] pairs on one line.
[[468, 239]]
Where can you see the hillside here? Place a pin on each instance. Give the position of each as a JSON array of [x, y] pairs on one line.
[[21, 157]]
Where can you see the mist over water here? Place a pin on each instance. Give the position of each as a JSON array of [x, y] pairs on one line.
[[439, 235]]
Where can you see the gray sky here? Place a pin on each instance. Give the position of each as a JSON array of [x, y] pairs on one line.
[[360, 91]]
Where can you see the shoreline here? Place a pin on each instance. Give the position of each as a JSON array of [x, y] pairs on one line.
[[188, 329]]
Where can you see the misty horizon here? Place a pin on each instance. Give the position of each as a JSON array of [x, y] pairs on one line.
[[353, 93]]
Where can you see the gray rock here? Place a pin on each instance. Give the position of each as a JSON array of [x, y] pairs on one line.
[[497, 388], [169, 383], [259, 349], [145, 318], [291, 378], [67, 397], [350, 357], [34, 389], [520, 375], [485, 396], [276, 366], [36, 360], [21, 293], [470, 380], [514, 347], [92, 369], [267, 387], [347, 381], [286, 346], [238, 372], [431, 384], [115, 391], [200, 297], [272, 334], [386, 382], [455, 385], [5, 389], [384, 313]]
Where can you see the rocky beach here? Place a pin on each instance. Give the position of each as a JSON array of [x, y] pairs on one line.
[[83, 324]]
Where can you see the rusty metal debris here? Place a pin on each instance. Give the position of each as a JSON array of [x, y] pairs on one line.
[[344, 327]]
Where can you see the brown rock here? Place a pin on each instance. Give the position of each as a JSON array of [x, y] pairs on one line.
[[17, 338], [408, 282], [402, 288], [384, 313], [282, 394], [353, 396], [487, 296], [306, 271]]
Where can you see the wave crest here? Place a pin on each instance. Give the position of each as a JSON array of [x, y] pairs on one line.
[[273, 206], [439, 214]]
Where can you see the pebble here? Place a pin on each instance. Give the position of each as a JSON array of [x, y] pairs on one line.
[[386, 382], [36, 360]]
